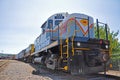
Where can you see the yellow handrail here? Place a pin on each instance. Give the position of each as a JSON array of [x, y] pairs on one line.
[[67, 47], [61, 48], [73, 40]]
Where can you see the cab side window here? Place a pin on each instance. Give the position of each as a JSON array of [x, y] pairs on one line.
[[50, 24], [43, 27], [57, 22]]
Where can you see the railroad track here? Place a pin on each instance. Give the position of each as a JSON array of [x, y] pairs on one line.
[[3, 63], [102, 77], [67, 76]]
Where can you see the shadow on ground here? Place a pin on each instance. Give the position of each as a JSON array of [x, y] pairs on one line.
[[60, 75]]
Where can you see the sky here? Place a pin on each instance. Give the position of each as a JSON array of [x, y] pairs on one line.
[[20, 20]]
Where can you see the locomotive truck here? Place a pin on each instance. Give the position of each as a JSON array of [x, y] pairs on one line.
[[68, 43]]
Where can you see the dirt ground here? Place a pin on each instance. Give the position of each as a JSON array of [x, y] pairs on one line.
[[17, 70], [115, 73]]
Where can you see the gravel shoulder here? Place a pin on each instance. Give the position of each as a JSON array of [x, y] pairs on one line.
[[3, 64], [17, 70]]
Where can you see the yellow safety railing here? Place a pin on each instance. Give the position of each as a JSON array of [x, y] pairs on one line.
[[67, 48], [61, 48], [73, 41]]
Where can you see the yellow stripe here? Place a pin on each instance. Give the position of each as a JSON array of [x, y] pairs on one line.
[[82, 48]]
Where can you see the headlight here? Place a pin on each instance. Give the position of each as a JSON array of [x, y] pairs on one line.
[[106, 46], [78, 43]]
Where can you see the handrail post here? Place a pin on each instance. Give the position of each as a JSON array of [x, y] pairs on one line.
[[106, 31], [88, 29], [58, 35], [97, 29]]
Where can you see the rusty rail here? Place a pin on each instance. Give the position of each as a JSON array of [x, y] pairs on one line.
[[3, 63]]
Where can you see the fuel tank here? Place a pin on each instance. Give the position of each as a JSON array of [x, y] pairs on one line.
[[40, 60]]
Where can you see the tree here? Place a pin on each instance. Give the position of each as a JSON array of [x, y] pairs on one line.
[[112, 37]]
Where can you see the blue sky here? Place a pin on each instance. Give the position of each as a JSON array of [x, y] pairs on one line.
[[20, 20]]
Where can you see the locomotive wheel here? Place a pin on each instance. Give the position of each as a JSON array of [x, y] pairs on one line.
[[52, 62]]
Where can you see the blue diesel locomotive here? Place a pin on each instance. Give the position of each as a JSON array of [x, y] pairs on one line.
[[68, 43]]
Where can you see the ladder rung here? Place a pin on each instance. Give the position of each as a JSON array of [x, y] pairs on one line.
[[65, 61], [65, 53], [65, 45]]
